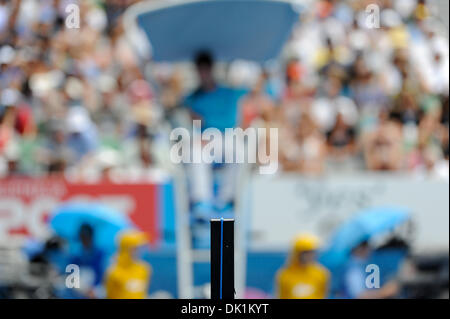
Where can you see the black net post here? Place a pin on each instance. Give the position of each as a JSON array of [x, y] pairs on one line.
[[222, 259]]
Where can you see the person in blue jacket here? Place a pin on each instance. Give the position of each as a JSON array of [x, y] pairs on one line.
[[89, 258], [216, 106], [359, 281]]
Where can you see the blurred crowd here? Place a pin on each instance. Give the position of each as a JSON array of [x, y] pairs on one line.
[[377, 94], [345, 95], [74, 101]]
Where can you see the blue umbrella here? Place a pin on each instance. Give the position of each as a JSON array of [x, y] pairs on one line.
[[106, 222], [252, 30], [364, 226], [367, 224]]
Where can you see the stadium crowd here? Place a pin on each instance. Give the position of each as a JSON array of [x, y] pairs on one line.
[[345, 95]]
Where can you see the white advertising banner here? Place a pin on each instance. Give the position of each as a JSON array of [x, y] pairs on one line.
[[282, 206]]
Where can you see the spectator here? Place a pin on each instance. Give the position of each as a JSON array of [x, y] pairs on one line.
[[383, 149]]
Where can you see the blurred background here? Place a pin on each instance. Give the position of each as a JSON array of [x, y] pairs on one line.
[[85, 118]]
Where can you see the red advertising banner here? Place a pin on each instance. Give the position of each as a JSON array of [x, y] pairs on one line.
[[25, 203]]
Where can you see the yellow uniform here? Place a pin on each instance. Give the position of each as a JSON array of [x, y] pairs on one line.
[[128, 278], [302, 281]]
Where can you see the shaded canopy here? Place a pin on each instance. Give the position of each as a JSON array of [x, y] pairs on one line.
[[253, 30]]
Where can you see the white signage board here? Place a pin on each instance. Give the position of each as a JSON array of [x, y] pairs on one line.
[[285, 205]]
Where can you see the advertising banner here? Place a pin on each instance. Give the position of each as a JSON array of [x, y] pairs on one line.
[[26, 203], [282, 206]]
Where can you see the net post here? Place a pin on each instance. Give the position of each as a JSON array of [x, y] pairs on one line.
[[222, 259]]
